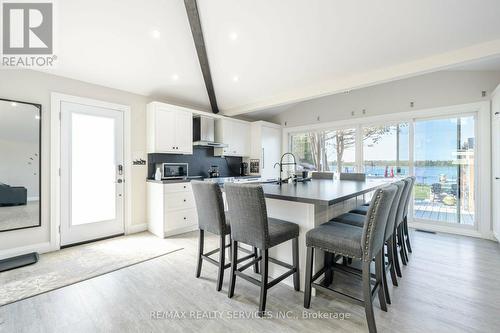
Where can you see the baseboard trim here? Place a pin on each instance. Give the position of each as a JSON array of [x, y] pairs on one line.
[[450, 230], [496, 236], [179, 231], [135, 228], [39, 247]]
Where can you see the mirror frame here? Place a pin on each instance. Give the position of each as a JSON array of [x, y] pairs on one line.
[[39, 107]]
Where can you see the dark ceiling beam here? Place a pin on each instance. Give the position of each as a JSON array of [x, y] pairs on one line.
[[199, 43]]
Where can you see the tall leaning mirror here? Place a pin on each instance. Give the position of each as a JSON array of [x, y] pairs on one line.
[[20, 151]]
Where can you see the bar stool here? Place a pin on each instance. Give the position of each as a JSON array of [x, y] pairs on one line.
[[395, 214], [363, 244], [251, 225], [352, 176], [322, 175], [405, 217], [212, 218]]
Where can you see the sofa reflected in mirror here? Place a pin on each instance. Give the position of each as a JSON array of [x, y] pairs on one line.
[[19, 164]]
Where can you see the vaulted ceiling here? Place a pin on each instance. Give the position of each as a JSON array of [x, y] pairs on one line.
[[267, 53]]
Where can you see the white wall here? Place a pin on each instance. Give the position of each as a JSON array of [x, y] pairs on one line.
[[426, 91], [36, 87], [16, 167]]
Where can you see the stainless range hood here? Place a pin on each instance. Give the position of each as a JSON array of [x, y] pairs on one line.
[[204, 132]]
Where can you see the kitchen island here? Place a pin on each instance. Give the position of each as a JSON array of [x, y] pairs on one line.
[[310, 204]]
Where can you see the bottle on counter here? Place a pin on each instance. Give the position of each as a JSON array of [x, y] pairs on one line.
[[158, 174]]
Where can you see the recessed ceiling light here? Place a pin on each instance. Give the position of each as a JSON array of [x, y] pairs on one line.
[[175, 77], [13, 104], [233, 36], [236, 78], [155, 34]]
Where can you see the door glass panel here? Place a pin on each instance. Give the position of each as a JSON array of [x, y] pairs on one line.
[[93, 169], [444, 167], [386, 151]]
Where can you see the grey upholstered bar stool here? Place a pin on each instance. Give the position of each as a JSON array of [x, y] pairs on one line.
[[362, 244], [212, 218], [398, 234], [402, 235], [251, 225], [405, 217], [395, 214], [322, 175], [352, 176]]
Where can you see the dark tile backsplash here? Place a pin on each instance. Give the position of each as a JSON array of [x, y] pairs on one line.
[[199, 163]]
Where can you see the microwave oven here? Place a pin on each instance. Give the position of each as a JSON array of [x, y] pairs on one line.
[[174, 170]]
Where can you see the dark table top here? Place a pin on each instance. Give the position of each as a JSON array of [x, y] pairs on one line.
[[322, 191]]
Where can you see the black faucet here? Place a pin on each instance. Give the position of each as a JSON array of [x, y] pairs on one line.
[[280, 180]]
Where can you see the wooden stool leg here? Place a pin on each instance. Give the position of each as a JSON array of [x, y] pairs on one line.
[[384, 277], [367, 295], [390, 252], [256, 265], [401, 243], [397, 266], [379, 275], [234, 264], [200, 252], [407, 234], [328, 269], [222, 256], [263, 283], [309, 272], [295, 256]]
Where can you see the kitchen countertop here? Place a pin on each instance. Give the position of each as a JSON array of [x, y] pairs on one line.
[[322, 191], [190, 178]]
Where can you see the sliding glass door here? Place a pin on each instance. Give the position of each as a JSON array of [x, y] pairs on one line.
[[444, 155]]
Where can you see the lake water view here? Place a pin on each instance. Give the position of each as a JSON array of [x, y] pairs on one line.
[[425, 175]]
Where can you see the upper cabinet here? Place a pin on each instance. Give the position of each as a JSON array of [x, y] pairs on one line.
[[169, 129], [235, 134]]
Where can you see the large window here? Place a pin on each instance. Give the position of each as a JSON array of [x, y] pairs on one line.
[[330, 150], [444, 167], [440, 153], [386, 150]]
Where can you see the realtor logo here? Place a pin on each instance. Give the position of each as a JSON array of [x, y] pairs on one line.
[[27, 28]]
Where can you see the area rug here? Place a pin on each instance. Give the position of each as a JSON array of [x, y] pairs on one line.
[[78, 263]]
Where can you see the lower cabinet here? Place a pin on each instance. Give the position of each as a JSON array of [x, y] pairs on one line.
[[171, 209]]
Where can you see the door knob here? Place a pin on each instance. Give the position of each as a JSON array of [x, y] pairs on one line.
[[119, 181], [497, 178]]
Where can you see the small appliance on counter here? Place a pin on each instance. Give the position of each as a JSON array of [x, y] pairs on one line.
[[254, 167], [174, 170], [213, 172], [244, 169]]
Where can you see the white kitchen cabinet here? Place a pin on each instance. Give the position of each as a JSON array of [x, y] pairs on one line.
[[171, 209], [169, 129], [235, 134], [266, 146]]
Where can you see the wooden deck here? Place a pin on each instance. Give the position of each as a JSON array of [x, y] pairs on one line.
[[438, 211]]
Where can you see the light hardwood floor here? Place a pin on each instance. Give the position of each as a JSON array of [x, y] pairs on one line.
[[450, 285]]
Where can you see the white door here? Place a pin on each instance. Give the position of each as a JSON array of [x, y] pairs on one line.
[[496, 161], [92, 184], [271, 152]]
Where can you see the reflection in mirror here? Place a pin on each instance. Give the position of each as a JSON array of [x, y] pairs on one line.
[[19, 165]]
